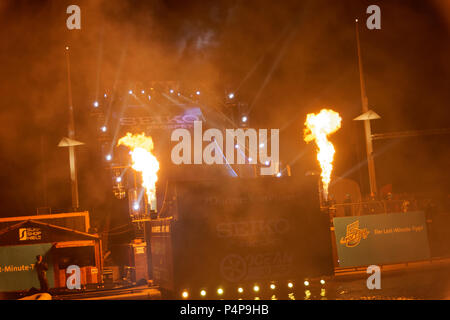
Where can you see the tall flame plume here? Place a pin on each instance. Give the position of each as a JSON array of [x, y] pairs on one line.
[[143, 161], [318, 128]]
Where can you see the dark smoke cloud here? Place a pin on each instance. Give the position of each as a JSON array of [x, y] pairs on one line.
[[303, 52]]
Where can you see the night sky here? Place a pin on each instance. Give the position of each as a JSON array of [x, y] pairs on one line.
[[284, 58]]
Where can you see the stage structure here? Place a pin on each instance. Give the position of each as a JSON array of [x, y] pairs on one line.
[[155, 109], [241, 238]]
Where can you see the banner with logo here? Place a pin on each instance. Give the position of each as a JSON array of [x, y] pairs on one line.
[[28, 234], [33, 232], [17, 266], [381, 239]]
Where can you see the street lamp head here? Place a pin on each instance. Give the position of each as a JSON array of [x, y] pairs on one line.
[[369, 115]]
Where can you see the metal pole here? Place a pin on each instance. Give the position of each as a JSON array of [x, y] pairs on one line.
[[71, 129], [44, 173], [367, 129]]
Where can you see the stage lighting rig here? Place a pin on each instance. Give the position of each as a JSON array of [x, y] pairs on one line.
[[118, 186]]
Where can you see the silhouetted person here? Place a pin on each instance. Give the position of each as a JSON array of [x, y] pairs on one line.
[[390, 205], [41, 268], [405, 206], [347, 205], [375, 206], [331, 200]]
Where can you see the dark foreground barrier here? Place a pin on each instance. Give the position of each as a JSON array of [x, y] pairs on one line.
[[217, 237]]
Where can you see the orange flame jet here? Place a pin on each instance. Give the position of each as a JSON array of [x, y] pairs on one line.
[[143, 161], [318, 128]]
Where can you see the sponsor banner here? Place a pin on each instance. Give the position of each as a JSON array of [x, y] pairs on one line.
[[17, 267], [381, 239], [32, 232]]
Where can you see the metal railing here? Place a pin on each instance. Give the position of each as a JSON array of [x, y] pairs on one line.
[[369, 207]]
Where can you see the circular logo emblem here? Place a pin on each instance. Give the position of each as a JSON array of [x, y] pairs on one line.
[[233, 268]]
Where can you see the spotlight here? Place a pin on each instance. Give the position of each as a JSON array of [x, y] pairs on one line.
[[250, 159], [306, 283], [185, 294], [322, 281], [136, 206], [197, 93], [244, 119], [203, 293], [149, 98], [103, 129], [290, 285], [142, 91], [231, 96], [179, 94], [240, 290], [220, 291], [272, 286], [105, 95], [96, 104], [236, 146], [278, 174], [171, 91], [261, 145], [256, 288], [108, 157], [267, 162], [118, 179], [130, 92]]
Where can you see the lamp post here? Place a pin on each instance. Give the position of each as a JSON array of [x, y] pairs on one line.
[[366, 117], [70, 142]]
